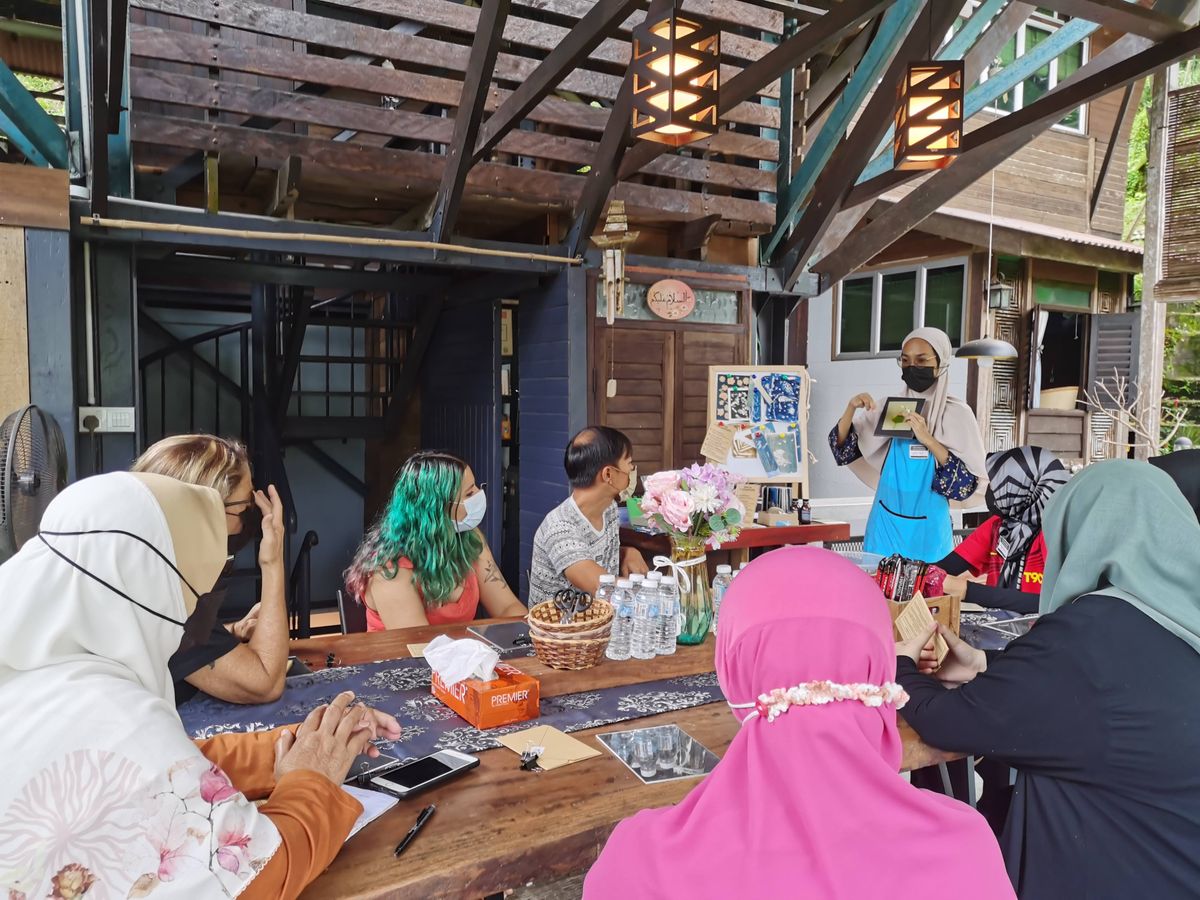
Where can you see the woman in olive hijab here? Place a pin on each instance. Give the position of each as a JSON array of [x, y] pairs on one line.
[[1094, 707]]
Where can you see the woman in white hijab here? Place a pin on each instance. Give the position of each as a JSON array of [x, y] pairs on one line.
[[102, 793], [915, 479]]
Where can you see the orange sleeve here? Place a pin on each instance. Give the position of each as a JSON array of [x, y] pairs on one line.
[[247, 758], [314, 817]]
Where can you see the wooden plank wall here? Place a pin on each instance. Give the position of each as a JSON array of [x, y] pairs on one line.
[[202, 69]]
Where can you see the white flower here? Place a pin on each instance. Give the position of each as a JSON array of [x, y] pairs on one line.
[[705, 499]]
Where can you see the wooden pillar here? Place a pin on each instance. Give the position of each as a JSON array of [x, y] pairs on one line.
[[14, 335], [1154, 313]]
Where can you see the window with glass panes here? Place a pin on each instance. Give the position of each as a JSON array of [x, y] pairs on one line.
[[877, 310], [1032, 33]]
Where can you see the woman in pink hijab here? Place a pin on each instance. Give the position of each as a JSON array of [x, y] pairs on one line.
[[807, 801]]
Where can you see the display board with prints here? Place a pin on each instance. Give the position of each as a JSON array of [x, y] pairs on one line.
[[758, 422]]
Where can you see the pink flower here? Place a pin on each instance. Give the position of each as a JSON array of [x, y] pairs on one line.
[[676, 508], [228, 860], [659, 483], [166, 862], [215, 786]]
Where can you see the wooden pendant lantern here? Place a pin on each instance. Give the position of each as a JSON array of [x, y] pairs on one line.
[[929, 115], [676, 66]]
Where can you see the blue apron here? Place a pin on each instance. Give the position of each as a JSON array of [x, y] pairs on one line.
[[908, 517]]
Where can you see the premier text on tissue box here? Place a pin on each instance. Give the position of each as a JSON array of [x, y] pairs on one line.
[[512, 696]]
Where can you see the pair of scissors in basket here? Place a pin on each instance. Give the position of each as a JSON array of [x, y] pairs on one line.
[[570, 603]]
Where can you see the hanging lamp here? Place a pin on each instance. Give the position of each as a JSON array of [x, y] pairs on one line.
[[929, 115], [676, 69], [990, 348]]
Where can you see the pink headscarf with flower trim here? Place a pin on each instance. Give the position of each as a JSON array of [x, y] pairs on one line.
[[809, 805]]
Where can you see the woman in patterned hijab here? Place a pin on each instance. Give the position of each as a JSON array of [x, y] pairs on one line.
[[1008, 548]]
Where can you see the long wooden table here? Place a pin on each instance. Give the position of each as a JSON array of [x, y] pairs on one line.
[[738, 550], [498, 827]]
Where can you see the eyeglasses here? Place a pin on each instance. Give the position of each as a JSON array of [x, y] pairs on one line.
[[924, 361], [229, 507]]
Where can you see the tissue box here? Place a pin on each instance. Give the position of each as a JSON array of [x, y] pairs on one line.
[[512, 696]]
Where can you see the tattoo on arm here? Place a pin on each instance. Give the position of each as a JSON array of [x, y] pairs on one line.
[[491, 573]]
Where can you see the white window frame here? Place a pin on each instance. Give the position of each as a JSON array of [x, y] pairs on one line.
[[876, 276], [1018, 90]]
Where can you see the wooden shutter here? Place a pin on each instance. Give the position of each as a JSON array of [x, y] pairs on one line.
[[1112, 352], [701, 349], [643, 363], [1180, 263]]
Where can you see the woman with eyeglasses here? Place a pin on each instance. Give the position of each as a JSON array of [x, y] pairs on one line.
[[424, 561], [915, 478], [246, 661]]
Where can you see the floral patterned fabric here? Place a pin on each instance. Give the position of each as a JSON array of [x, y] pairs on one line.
[[401, 687], [954, 480]]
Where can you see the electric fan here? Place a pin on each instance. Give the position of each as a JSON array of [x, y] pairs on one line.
[[33, 468]]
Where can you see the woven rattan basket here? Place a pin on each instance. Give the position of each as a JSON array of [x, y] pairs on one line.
[[579, 645]]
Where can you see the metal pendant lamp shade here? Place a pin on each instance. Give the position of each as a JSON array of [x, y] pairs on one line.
[[676, 69], [929, 115], [987, 348]]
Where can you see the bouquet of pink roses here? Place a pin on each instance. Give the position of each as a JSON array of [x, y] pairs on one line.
[[696, 502]]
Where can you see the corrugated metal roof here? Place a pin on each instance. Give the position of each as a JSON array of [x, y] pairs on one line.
[[25, 54], [1061, 234]]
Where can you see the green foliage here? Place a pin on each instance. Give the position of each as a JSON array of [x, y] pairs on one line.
[[37, 84]]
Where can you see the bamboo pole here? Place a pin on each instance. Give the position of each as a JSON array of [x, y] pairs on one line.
[[246, 234]]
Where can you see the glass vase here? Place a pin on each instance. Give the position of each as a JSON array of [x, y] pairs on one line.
[[695, 600]]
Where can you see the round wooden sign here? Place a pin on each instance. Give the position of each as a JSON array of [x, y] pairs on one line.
[[671, 299]]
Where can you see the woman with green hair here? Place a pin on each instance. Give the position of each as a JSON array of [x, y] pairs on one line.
[[1096, 706], [424, 561]]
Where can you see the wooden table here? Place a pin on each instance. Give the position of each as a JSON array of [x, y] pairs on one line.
[[498, 827], [738, 550]]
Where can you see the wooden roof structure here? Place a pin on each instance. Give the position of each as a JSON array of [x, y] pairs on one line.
[[510, 119]]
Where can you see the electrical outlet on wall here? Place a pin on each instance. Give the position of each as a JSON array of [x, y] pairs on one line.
[[106, 419]]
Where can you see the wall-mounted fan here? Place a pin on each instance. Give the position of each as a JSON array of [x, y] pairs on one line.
[[33, 468]]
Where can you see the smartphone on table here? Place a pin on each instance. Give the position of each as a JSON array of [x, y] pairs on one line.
[[411, 778]]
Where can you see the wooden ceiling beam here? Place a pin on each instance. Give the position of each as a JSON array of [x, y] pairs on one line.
[[987, 147], [1122, 16], [459, 157], [992, 41], [600, 21], [852, 154], [790, 54]]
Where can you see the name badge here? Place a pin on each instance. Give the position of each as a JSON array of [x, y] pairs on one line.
[[918, 451]]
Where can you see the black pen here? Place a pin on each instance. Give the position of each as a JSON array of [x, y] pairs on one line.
[[424, 817]]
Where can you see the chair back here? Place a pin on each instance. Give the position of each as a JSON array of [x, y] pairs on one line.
[[353, 613]]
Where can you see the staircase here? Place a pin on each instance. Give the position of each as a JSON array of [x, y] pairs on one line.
[[280, 368]]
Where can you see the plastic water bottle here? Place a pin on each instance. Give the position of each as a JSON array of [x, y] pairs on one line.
[[622, 624], [645, 621], [668, 615], [608, 584], [635, 581], [719, 586]]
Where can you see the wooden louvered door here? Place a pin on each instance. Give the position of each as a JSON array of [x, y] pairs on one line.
[[1180, 265], [642, 361], [701, 349]]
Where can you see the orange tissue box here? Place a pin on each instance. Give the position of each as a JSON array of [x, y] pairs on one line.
[[512, 696]]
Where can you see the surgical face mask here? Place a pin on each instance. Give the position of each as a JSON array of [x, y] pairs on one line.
[[476, 507], [251, 518], [197, 626], [630, 487], [919, 378]]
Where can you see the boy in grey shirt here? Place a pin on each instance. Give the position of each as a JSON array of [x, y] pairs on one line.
[[580, 539]]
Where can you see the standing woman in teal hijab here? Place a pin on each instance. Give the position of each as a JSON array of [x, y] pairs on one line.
[[1096, 706]]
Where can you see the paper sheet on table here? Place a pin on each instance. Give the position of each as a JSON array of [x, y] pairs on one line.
[[374, 803], [718, 443], [914, 620], [559, 749], [416, 651]]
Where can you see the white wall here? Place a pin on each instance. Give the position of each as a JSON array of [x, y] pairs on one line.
[[837, 493]]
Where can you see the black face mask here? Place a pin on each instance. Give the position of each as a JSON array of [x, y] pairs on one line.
[[990, 499], [197, 626], [919, 378], [251, 518]]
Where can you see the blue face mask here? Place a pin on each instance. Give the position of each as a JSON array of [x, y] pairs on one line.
[[476, 507]]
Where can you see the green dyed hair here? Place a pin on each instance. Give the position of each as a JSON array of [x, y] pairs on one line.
[[416, 525]]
